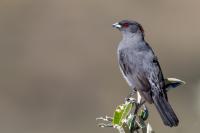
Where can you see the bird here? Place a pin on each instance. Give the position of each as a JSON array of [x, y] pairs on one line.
[[140, 68]]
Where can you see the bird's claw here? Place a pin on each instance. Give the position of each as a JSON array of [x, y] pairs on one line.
[[130, 97]]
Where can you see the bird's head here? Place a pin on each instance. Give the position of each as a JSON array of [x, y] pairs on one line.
[[129, 27]]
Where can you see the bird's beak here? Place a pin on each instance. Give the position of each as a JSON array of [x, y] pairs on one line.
[[117, 25]]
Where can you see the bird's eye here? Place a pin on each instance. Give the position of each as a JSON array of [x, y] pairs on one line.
[[125, 25]]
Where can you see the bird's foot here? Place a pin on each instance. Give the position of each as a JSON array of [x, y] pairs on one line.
[[130, 97]]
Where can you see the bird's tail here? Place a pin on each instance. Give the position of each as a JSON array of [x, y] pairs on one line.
[[165, 110]]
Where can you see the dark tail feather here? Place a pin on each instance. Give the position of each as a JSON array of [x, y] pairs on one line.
[[165, 110]]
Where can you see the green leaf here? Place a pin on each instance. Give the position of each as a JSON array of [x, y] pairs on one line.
[[121, 113], [130, 119], [144, 113]]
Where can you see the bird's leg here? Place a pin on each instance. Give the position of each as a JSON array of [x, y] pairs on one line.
[[131, 95], [140, 100]]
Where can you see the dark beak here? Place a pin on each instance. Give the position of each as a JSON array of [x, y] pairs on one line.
[[117, 25]]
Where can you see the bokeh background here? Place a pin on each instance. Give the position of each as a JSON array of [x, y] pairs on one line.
[[58, 64]]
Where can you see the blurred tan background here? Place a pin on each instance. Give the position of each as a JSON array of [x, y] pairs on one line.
[[58, 66]]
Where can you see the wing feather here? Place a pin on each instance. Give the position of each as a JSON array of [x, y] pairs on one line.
[[148, 79]]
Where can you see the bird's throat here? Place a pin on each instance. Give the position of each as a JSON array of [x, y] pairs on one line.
[[132, 38]]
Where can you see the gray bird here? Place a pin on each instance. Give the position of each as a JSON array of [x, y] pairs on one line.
[[141, 69]]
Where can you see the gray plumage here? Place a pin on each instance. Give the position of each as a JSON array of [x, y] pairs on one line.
[[141, 69]]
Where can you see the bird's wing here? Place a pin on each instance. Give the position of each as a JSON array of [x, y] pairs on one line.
[[147, 78], [155, 77], [159, 93], [144, 87], [150, 81], [135, 77]]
